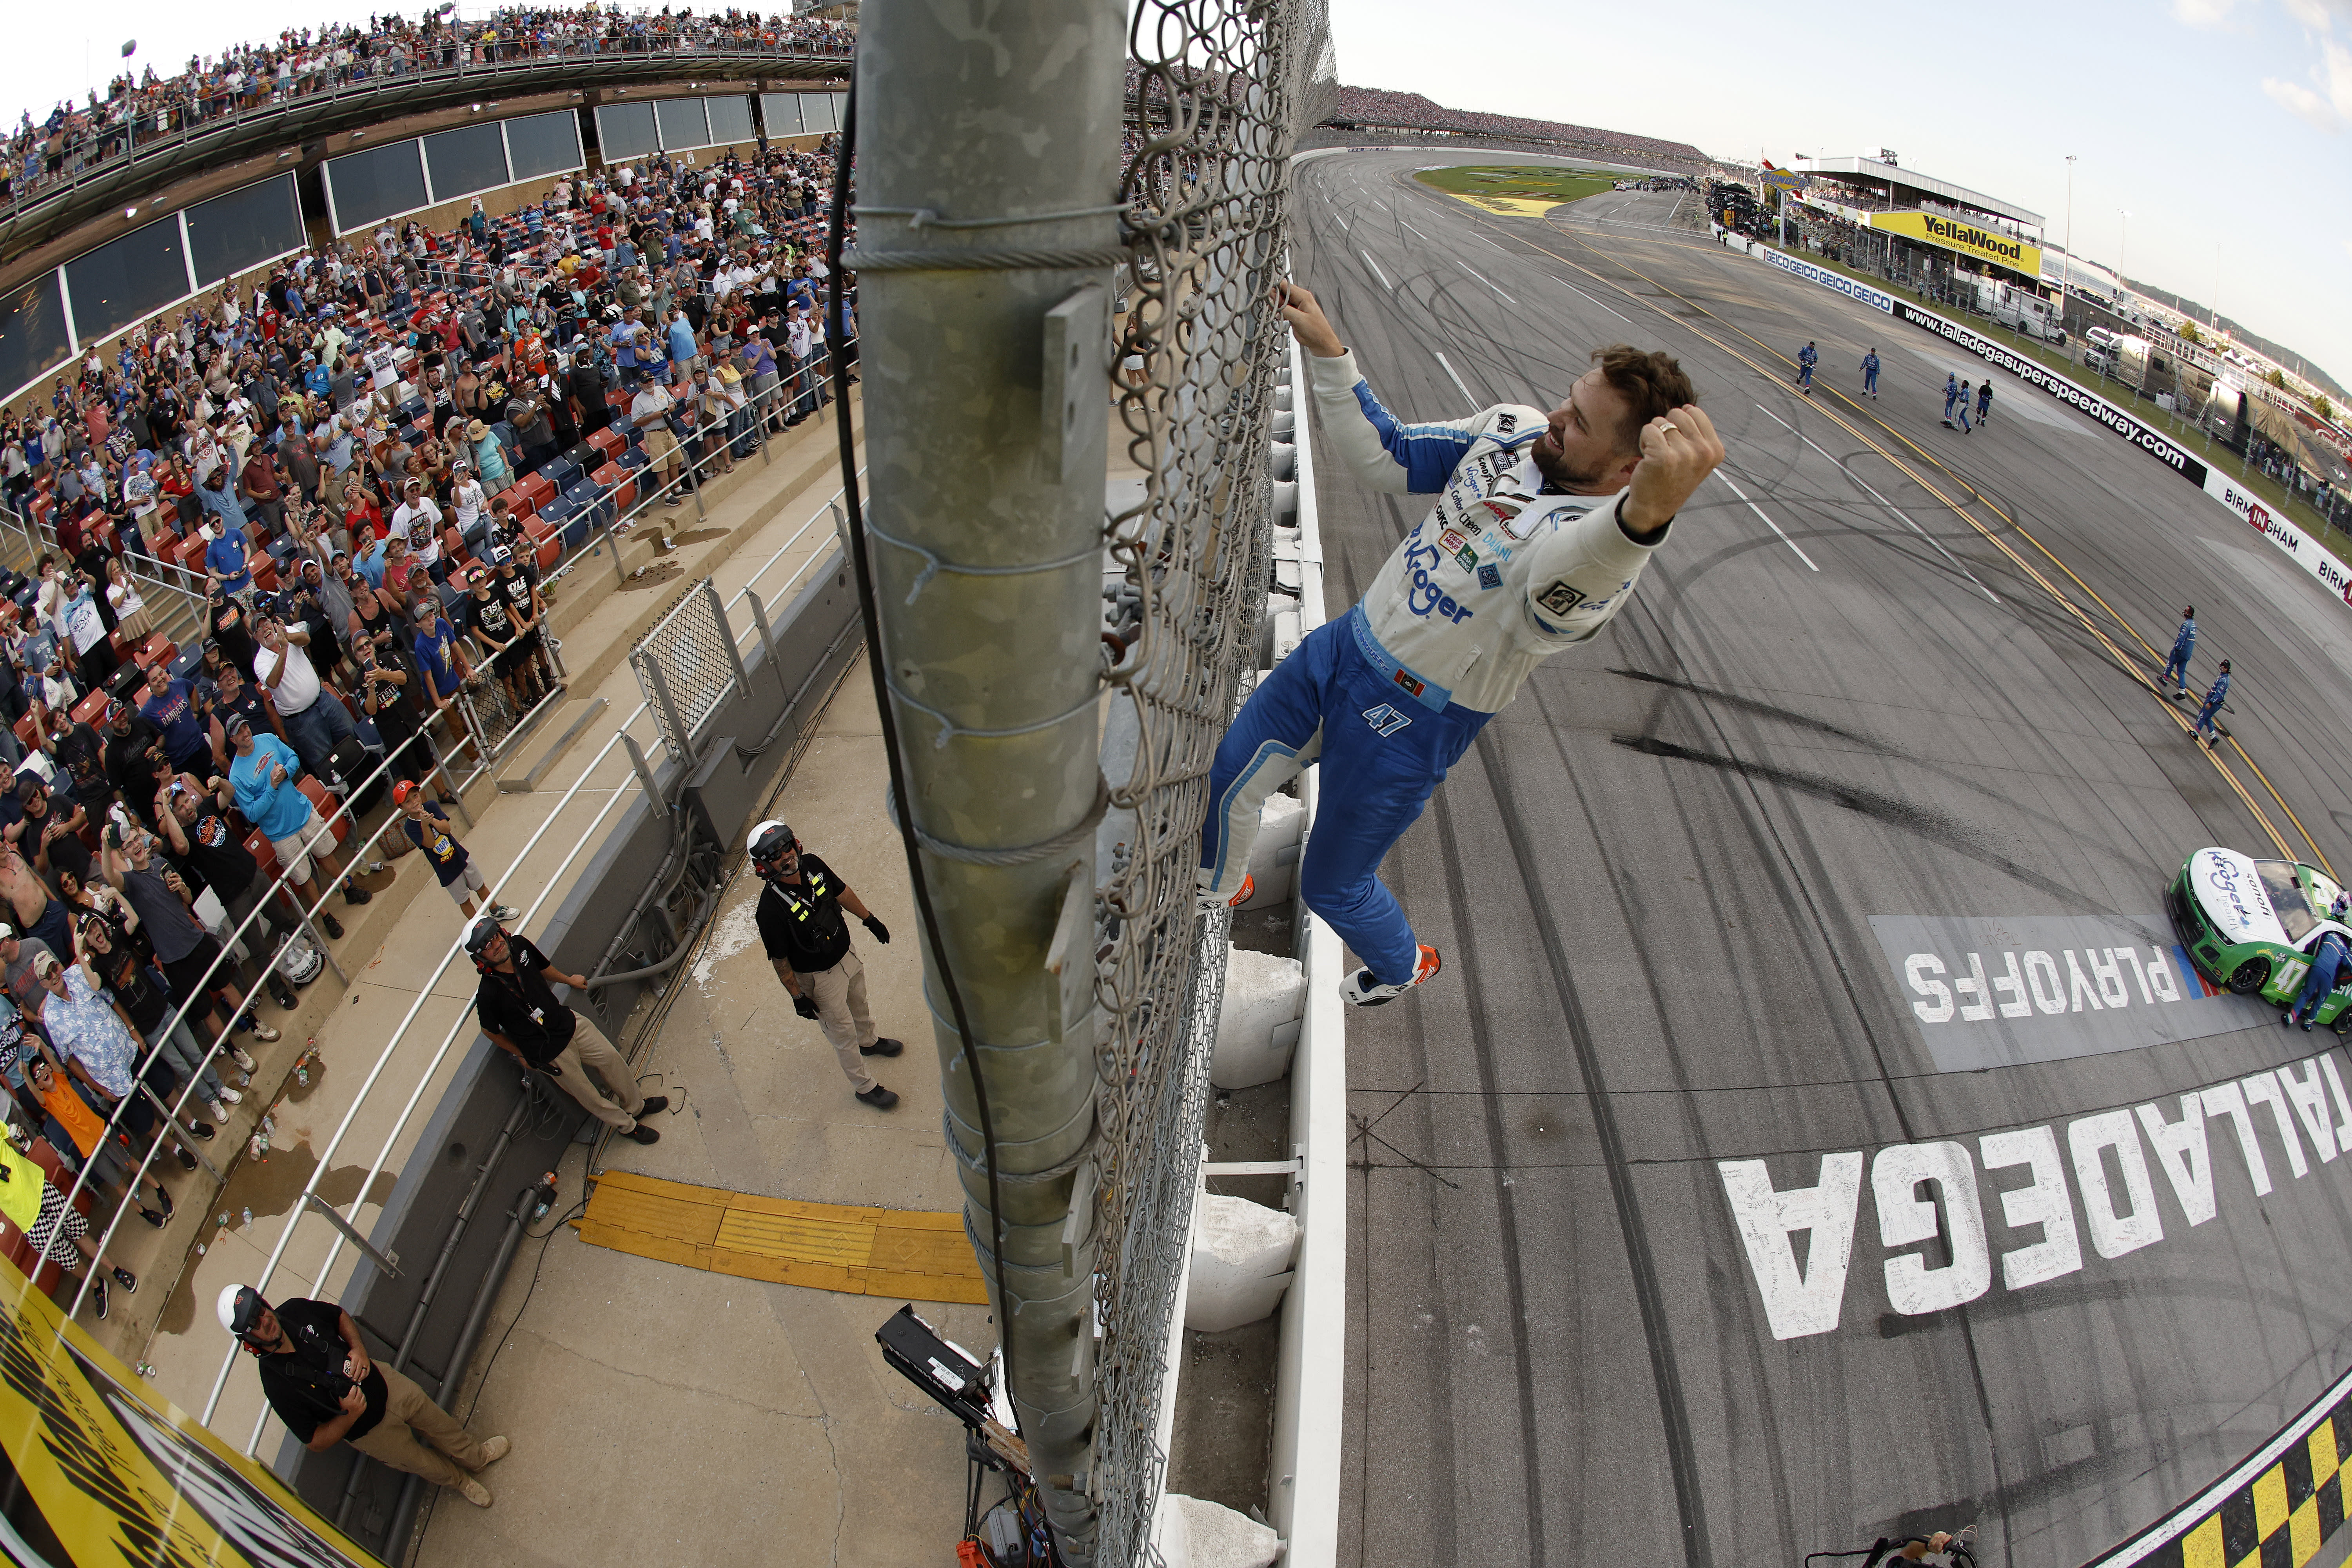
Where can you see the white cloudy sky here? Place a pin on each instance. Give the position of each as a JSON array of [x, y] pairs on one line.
[[2224, 127]]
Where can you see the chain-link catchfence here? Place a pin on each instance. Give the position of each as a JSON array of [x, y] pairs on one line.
[[1217, 94], [686, 665]]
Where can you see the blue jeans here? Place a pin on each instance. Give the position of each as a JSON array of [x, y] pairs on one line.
[[313, 733], [2176, 668], [1333, 701], [1964, 413], [182, 1052], [2326, 965], [1870, 382]]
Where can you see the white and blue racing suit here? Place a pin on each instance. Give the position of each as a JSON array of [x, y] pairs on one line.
[[1496, 578]]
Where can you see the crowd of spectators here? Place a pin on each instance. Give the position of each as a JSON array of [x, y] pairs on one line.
[[348, 456], [1367, 108], [136, 109]]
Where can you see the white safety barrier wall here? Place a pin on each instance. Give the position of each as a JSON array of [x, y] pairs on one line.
[[1303, 1464]]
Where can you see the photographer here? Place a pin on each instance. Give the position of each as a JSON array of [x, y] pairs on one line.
[[319, 1379]]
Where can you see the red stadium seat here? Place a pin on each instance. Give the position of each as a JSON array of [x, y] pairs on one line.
[[331, 810], [88, 710], [608, 441], [619, 482], [538, 488], [264, 573], [265, 854], [157, 649], [519, 503]]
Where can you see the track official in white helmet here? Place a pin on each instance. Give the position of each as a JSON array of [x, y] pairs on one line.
[[318, 1376], [800, 923]]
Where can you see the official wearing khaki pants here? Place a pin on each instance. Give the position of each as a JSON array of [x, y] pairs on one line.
[[590, 1048], [419, 1436], [840, 994]]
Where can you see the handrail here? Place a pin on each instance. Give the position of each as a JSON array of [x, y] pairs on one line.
[[587, 836], [190, 129]]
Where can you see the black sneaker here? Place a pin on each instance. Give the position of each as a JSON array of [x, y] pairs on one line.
[[877, 1096], [352, 895], [654, 1102], [163, 1196], [643, 1134], [882, 1047], [331, 925], [202, 1131], [283, 993], [128, 1280], [187, 1161], [98, 1297]]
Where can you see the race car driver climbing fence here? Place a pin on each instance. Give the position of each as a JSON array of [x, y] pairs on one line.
[[1543, 524]]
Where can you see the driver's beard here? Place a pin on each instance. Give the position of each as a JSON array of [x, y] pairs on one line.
[[1559, 471]]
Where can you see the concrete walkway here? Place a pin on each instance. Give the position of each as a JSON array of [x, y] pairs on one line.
[[799, 1446]]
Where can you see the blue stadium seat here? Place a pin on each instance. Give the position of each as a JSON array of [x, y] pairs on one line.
[[563, 473]]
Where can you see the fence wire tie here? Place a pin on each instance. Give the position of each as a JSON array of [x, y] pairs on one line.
[[933, 566], [1078, 834], [950, 729]]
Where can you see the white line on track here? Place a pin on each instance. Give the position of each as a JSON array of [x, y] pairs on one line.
[[1474, 405], [1466, 267], [1882, 500], [1758, 510], [1574, 289], [1414, 232], [1378, 273]]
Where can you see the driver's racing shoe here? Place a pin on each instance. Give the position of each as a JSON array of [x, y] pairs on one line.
[[1360, 990], [1210, 903]]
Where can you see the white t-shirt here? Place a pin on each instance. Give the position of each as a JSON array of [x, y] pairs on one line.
[[300, 688], [420, 525], [468, 500]]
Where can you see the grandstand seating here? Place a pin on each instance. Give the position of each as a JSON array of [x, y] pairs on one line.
[[1369, 108]]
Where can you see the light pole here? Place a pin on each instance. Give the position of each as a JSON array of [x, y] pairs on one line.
[[2123, 239], [2066, 263]]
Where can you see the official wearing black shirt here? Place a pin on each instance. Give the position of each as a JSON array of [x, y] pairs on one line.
[[318, 1377], [519, 1013], [800, 914]]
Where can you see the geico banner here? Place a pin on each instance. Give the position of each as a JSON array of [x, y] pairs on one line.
[[1986, 244], [121, 1476], [2305, 550], [1876, 299], [2033, 373]]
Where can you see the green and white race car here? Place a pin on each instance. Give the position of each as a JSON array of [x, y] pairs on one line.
[[2250, 926]]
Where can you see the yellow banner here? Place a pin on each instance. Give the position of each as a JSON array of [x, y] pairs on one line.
[[121, 1476], [1951, 234]]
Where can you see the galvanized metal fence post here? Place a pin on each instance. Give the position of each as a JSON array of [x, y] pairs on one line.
[[981, 337]]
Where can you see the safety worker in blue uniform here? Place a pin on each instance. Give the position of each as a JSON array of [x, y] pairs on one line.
[[2329, 958], [1807, 357], [1543, 524], [2184, 643], [1951, 395], [1870, 373], [2209, 728]]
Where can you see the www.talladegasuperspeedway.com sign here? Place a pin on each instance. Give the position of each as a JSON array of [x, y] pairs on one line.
[[2033, 373]]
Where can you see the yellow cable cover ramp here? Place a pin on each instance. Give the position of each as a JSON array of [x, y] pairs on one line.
[[900, 1253]]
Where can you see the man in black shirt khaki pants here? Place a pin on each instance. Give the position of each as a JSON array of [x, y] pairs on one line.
[[808, 942], [520, 1015], [319, 1379]]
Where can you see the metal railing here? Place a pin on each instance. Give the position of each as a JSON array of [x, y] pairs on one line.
[[344, 1226], [189, 131]]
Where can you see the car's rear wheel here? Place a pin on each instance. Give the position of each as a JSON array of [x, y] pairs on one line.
[[2250, 976], [2344, 1022]]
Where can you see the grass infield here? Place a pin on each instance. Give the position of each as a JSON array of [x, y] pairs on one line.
[[1519, 182]]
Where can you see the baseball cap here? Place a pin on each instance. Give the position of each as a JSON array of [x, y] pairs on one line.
[[45, 964], [237, 722], [402, 790]]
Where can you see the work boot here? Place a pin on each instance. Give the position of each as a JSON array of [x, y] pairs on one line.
[[877, 1096], [474, 1491], [331, 925], [654, 1104], [493, 1449], [281, 993], [354, 894], [643, 1134], [882, 1047]]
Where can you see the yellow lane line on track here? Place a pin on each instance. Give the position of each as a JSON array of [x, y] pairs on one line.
[[2122, 661]]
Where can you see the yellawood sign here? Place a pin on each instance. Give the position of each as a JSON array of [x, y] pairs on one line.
[[1986, 244]]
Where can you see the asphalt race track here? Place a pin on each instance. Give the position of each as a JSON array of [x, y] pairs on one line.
[[1635, 1278]]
